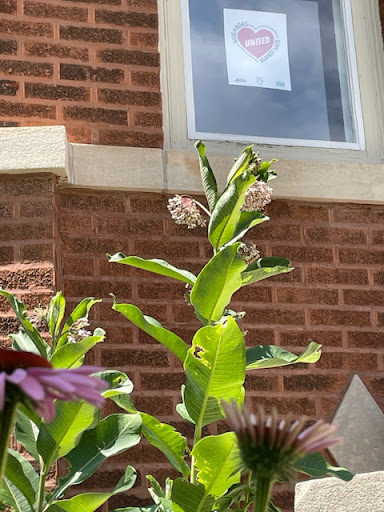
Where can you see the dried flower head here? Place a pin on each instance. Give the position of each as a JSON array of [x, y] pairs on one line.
[[249, 253], [270, 448], [29, 378], [257, 197], [184, 210]]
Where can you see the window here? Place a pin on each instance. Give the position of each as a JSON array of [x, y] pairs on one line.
[[333, 113], [275, 71]]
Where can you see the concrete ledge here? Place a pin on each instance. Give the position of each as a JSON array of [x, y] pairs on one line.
[[46, 149], [365, 493]]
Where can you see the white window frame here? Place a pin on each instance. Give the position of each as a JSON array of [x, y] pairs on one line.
[[365, 36]]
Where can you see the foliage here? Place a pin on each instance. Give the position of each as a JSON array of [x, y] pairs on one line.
[[215, 365], [76, 434]]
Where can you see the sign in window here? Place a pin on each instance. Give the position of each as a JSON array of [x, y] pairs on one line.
[[272, 71]]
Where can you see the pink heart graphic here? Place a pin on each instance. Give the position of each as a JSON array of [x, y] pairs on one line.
[[256, 43]]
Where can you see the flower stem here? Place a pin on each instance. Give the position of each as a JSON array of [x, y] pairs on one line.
[[263, 491], [7, 416], [41, 491]]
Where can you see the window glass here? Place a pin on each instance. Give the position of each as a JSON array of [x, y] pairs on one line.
[[269, 70]]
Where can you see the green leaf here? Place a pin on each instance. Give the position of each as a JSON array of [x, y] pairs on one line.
[[157, 266], [215, 370], [113, 435], [273, 508], [270, 356], [80, 311], [56, 312], [317, 466], [264, 268], [167, 440], [11, 496], [90, 501], [150, 508], [21, 341], [265, 173], [207, 177], [187, 497], [182, 410], [59, 437], [71, 355], [226, 215], [41, 347], [247, 221], [119, 383], [159, 497], [217, 462], [26, 433], [217, 282], [241, 164], [21, 479], [152, 327]]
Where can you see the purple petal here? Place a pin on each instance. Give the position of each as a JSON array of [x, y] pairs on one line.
[[58, 382], [17, 376], [32, 388], [46, 409], [3, 377]]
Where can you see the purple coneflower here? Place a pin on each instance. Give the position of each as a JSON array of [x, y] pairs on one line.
[[270, 448]]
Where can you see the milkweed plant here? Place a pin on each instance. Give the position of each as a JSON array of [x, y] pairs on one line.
[[51, 402], [235, 470]]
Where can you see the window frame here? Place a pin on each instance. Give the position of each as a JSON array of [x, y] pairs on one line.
[[364, 24]]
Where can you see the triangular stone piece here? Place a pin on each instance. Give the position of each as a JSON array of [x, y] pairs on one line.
[[361, 424]]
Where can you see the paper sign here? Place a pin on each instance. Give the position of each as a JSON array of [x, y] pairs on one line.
[[256, 46]]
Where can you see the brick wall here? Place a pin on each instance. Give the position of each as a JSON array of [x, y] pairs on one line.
[[91, 65], [334, 296]]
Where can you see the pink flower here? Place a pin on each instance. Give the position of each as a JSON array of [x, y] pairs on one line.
[[30, 378]]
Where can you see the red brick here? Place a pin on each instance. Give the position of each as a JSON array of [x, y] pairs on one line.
[[25, 185], [159, 249], [27, 110], [88, 73], [259, 337], [153, 204], [91, 35], [28, 278], [183, 313], [145, 5], [157, 311], [173, 229], [36, 252], [261, 383], [8, 124], [329, 383], [145, 79], [253, 293], [36, 300], [76, 266], [128, 138], [304, 254], [366, 339], [42, 10], [162, 381], [348, 361], [60, 51], [8, 47], [339, 317], [364, 215], [93, 202], [118, 270], [378, 278], [135, 58], [8, 6], [34, 231], [303, 338], [6, 209], [364, 297], [140, 98], [274, 231], [378, 237], [148, 120], [361, 257], [76, 223], [377, 386], [36, 208], [329, 406], [127, 18], [18, 67], [296, 406], [297, 212], [9, 87], [144, 39], [145, 453], [336, 276], [109, 2], [119, 335], [275, 316], [96, 115], [336, 235], [6, 255], [57, 92], [9, 325], [128, 227], [157, 291], [307, 296], [91, 246], [295, 276], [77, 288], [381, 319], [26, 28], [79, 135], [138, 357]]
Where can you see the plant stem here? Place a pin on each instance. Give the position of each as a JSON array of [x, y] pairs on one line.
[[7, 417], [196, 439], [263, 490], [41, 491], [203, 208]]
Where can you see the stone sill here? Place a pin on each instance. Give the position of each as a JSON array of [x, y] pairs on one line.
[[46, 149]]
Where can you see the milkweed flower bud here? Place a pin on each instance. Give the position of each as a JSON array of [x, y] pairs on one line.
[[249, 253], [257, 197], [184, 210]]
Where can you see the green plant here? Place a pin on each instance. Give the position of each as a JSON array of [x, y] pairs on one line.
[[216, 363], [75, 433]]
